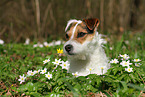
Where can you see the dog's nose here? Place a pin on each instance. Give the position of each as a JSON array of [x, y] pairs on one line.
[[68, 47]]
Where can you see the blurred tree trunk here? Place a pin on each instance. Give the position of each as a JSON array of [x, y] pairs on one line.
[[38, 19], [102, 14]]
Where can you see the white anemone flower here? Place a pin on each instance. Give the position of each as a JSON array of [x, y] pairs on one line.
[[129, 69], [137, 64], [48, 75], [75, 74], [136, 60], [89, 69], [35, 45], [57, 62], [124, 63], [65, 65], [30, 73], [38, 45], [46, 44], [22, 79], [27, 41], [1, 41], [102, 68], [125, 56], [36, 71], [58, 42], [46, 61], [43, 71], [114, 61]]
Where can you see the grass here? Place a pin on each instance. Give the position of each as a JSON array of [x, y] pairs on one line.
[[17, 59]]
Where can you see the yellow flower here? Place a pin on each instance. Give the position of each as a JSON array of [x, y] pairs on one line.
[[59, 51]]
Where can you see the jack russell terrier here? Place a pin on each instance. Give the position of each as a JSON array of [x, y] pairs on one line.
[[84, 48]]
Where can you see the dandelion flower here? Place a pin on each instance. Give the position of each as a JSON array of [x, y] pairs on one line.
[[125, 56], [129, 69], [22, 79], [46, 61], [75, 74], [48, 75], [59, 51], [114, 61], [43, 71], [136, 60], [64, 65], [124, 63]]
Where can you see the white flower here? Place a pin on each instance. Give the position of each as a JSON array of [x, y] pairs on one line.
[[136, 60], [137, 64], [57, 62], [75, 74], [138, 38], [1, 41], [30, 73], [65, 65], [89, 69], [114, 61], [51, 44], [36, 71], [124, 63], [35, 45], [46, 61], [125, 56], [102, 67], [38, 45], [46, 44], [43, 71], [129, 69], [58, 42], [127, 42], [27, 41], [22, 79], [111, 48], [48, 75]]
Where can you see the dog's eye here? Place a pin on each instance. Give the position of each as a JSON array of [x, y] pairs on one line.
[[66, 35], [81, 34]]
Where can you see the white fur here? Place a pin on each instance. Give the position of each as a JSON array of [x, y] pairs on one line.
[[90, 54]]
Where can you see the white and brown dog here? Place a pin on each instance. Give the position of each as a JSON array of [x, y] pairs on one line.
[[84, 48]]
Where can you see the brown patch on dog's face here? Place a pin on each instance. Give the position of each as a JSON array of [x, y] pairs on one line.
[[81, 33], [84, 31]]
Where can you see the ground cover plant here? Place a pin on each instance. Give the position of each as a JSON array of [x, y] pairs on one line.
[[41, 70]]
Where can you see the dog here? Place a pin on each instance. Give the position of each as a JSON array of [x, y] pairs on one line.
[[84, 47]]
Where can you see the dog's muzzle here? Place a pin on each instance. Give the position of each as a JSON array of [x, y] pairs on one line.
[[69, 49]]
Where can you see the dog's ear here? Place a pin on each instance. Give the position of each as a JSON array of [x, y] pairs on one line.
[[91, 23]]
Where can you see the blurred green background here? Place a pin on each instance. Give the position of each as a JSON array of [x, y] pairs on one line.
[[46, 19]]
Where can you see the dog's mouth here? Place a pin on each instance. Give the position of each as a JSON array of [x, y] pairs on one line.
[[70, 53]]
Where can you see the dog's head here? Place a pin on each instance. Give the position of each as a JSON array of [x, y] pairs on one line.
[[79, 35]]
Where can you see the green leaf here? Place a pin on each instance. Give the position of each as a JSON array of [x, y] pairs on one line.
[[72, 89], [136, 87], [35, 94]]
